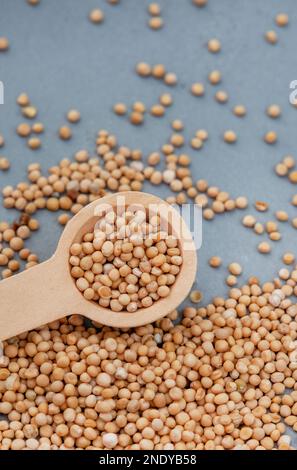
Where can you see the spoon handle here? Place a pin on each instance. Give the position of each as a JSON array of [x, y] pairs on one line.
[[30, 299]]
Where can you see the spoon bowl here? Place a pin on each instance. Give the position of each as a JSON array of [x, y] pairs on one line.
[[47, 292]]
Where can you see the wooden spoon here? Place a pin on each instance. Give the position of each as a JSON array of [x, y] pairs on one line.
[[47, 292]]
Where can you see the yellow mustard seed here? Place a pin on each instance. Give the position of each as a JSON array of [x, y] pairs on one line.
[[282, 19], [214, 45], [65, 133], [197, 89], [143, 69], [73, 115], [34, 143], [215, 262], [230, 137], [239, 110], [4, 44], [155, 23], [271, 37], [270, 137], [120, 109]]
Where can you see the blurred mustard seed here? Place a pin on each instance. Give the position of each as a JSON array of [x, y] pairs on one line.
[[34, 143], [120, 109], [4, 164], [230, 137], [170, 79], [231, 280], [261, 206], [197, 89], [143, 69], [4, 44], [270, 137], [214, 46], [139, 107], [166, 99], [136, 118], [23, 99], [264, 248], [196, 143], [155, 23], [177, 125], [221, 96], [196, 296], [282, 19], [65, 133], [96, 16], [288, 258], [23, 129], [158, 71], [37, 127], [282, 216], [29, 112], [271, 37], [235, 269], [215, 77], [239, 110], [2, 141], [273, 111], [73, 115], [154, 9], [157, 110], [215, 262]]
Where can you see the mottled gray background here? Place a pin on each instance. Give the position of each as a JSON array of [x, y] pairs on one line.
[[63, 61]]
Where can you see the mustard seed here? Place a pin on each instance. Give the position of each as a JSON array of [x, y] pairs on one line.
[[4, 164], [65, 133], [24, 129], [264, 247], [4, 44], [37, 127], [154, 9], [196, 296], [273, 111], [157, 110], [34, 143], [170, 79], [23, 100], [270, 137], [136, 118], [215, 77], [215, 262], [288, 258], [177, 125], [73, 115], [282, 19], [214, 46], [230, 137], [239, 110], [197, 89], [120, 109], [156, 22], [271, 37], [29, 112]]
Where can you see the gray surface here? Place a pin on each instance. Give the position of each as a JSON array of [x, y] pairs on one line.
[[63, 61]]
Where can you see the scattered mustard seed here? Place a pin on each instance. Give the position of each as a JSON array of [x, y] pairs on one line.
[[214, 46], [65, 133], [230, 137], [282, 19], [34, 143], [215, 262], [155, 23], [96, 16], [73, 115], [271, 37], [197, 89], [4, 44], [120, 109], [239, 110], [196, 296], [264, 247], [270, 137], [4, 164]]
